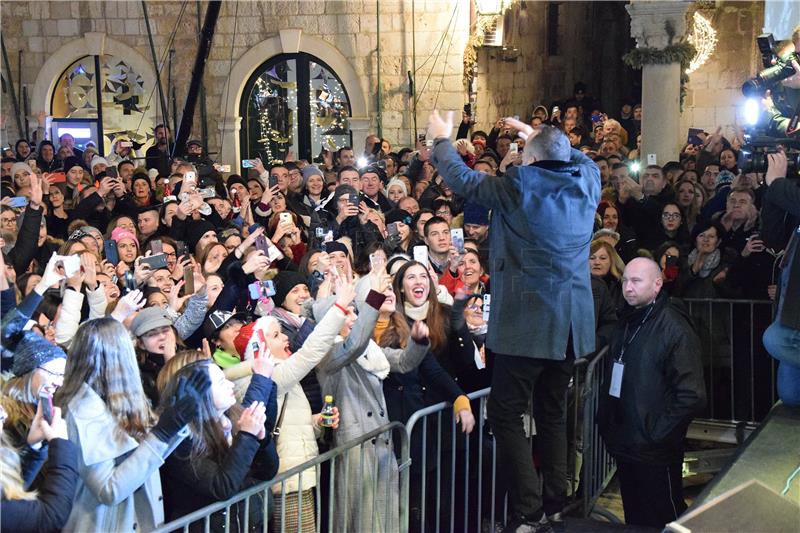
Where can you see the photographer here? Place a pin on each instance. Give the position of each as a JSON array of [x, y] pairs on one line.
[[784, 97], [781, 226]]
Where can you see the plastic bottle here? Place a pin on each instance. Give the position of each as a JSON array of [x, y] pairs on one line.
[[327, 412]]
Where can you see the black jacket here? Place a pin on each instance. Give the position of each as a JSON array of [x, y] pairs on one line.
[[780, 221], [190, 484], [48, 512], [605, 314], [662, 385]]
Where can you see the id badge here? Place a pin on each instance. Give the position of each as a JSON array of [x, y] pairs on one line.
[[615, 389]]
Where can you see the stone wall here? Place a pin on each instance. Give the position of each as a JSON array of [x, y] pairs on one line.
[[714, 97], [42, 28]]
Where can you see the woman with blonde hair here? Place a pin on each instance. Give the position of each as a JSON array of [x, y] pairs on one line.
[[606, 264], [121, 444], [47, 509]]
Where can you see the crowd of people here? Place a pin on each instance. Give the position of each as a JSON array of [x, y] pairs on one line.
[[186, 327]]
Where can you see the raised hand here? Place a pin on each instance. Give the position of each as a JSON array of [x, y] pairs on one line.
[[128, 305], [420, 332], [253, 418], [439, 127]]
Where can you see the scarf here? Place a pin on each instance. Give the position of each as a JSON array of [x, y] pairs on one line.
[[711, 262], [373, 360], [416, 313]]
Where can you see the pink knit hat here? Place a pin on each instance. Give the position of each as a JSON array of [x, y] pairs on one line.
[[121, 233]]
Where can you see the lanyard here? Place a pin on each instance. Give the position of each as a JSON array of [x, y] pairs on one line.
[[627, 343]]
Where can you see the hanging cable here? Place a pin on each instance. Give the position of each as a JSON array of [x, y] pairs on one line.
[[163, 60], [444, 70], [436, 58]]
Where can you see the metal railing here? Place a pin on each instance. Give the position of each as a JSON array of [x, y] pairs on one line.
[[234, 514], [739, 373], [467, 468]]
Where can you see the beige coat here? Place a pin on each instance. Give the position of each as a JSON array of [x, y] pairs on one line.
[[298, 438]]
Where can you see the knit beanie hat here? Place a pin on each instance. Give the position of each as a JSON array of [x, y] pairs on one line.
[[121, 233], [97, 160], [285, 281], [725, 177], [311, 170], [71, 162], [476, 214], [233, 179], [19, 167], [398, 215], [398, 182], [148, 319], [195, 231], [33, 351], [336, 246]]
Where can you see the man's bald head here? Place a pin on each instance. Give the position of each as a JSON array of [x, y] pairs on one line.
[[641, 281]]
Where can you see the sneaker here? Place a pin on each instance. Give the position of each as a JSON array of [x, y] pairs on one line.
[[557, 522], [524, 524]]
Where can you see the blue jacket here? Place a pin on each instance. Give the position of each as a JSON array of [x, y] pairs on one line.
[[541, 228]]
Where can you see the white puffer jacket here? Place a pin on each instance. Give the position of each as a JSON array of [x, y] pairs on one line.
[[298, 440]]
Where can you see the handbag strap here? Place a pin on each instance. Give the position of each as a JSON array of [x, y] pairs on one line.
[[277, 431]]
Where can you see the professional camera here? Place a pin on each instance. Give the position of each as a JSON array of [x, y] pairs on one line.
[[753, 157], [770, 77]]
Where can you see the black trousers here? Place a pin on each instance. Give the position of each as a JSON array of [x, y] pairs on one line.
[[514, 381], [652, 495]]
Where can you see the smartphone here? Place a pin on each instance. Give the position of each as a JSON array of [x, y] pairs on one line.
[[248, 163], [513, 148], [273, 253], [487, 300], [208, 192], [671, 261], [261, 289], [354, 199], [46, 401], [188, 278], [468, 108], [285, 217], [156, 261], [156, 247], [421, 138], [319, 232], [112, 172], [376, 261], [190, 180], [693, 137], [129, 282], [223, 168], [126, 144], [111, 252], [421, 254], [180, 249], [262, 245], [392, 230], [457, 238], [328, 236], [18, 202], [273, 182], [58, 177], [71, 264]]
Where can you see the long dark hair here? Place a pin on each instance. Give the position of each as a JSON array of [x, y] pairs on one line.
[[438, 318], [102, 357], [207, 432]]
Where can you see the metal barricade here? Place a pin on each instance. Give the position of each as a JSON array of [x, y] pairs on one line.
[[740, 375], [456, 484], [264, 493]]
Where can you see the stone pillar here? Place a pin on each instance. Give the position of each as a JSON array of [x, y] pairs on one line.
[[229, 128], [650, 21]]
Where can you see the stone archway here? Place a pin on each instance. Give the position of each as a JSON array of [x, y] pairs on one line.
[[91, 43], [288, 41]]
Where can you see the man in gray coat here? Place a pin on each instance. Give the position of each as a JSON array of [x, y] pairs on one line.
[[542, 314]]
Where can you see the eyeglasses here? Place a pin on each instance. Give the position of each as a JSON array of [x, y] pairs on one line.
[[670, 216], [50, 372], [442, 213]]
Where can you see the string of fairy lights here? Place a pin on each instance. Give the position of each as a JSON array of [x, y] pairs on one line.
[[275, 101]]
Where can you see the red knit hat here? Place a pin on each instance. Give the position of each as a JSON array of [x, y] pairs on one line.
[[241, 340]]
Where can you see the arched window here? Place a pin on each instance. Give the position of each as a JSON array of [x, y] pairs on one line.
[[293, 102], [102, 108]]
